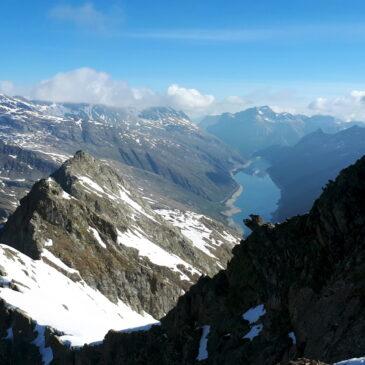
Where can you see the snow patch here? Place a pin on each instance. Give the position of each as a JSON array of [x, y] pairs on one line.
[[293, 338], [97, 237], [9, 334], [66, 195], [254, 313], [254, 331], [192, 227], [252, 316], [40, 342], [48, 242], [86, 180], [50, 298], [203, 345], [56, 261], [153, 252]]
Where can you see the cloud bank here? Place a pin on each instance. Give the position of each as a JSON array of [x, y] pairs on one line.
[[96, 87], [91, 86], [348, 107]]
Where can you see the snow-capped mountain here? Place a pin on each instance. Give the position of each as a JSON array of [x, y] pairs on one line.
[[257, 128], [84, 238], [157, 143]]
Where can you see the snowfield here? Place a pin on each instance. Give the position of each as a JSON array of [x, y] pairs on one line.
[[50, 298], [154, 253]]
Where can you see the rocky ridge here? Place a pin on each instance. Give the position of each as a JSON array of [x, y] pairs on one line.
[[87, 216], [292, 290]]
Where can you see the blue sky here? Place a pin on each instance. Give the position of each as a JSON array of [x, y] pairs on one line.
[[260, 51]]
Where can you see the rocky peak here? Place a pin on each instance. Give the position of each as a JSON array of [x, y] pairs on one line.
[[87, 216], [254, 221]]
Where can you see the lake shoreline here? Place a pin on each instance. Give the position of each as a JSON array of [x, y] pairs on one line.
[[231, 209], [256, 193]]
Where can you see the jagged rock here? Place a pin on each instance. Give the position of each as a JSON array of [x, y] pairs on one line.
[[88, 216], [292, 291], [254, 221]]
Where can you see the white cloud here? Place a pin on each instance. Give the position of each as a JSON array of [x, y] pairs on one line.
[[96, 87], [348, 107], [88, 17], [91, 86], [188, 99]]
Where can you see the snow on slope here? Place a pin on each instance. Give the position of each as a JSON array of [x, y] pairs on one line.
[[83, 314], [103, 192], [154, 253], [192, 227]]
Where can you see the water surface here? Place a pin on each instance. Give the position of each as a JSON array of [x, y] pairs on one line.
[[259, 196]]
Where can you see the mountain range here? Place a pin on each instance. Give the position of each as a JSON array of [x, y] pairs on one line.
[[302, 170], [159, 149], [258, 128]]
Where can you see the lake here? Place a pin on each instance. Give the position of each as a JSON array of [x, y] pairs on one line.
[[259, 196]]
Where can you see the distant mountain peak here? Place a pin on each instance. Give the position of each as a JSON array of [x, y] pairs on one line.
[[162, 112]]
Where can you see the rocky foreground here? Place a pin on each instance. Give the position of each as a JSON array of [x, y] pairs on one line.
[[292, 292]]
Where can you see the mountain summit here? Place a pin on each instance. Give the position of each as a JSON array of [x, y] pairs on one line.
[[88, 223]]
